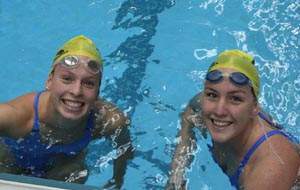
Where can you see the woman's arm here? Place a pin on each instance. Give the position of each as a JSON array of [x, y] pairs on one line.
[[113, 124], [183, 156]]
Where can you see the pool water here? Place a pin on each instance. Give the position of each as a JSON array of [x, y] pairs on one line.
[[156, 53]]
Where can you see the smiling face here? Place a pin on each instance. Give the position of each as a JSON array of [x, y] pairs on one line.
[[228, 109], [73, 90]]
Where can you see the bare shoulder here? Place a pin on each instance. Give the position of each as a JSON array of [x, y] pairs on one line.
[[26, 99], [191, 116], [107, 110], [108, 118], [16, 115], [281, 145], [275, 159], [195, 102], [24, 105]]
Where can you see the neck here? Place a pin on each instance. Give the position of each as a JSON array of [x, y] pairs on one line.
[[230, 154], [237, 147]]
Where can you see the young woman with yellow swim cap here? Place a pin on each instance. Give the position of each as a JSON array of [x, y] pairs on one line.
[[253, 151], [45, 134]]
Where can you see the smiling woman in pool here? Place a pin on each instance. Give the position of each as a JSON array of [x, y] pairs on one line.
[[246, 144], [46, 133]]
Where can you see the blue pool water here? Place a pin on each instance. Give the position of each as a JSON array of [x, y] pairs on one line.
[[156, 53]]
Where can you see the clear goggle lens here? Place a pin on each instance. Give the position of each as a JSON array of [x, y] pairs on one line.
[[72, 61]]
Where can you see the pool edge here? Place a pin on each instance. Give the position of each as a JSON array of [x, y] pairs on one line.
[[15, 181]]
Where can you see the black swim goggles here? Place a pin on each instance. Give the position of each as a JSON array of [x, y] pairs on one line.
[[72, 61], [237, 78]]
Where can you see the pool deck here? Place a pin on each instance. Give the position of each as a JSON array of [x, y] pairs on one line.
[[17, 182]]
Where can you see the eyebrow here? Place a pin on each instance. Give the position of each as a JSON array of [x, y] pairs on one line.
[[68, 71], [230, 92]]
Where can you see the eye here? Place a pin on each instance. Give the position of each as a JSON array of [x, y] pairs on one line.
[[211, 95], [66, 78], [90, 83], [236, 99]]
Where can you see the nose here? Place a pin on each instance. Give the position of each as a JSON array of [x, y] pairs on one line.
[[76, 89], [221, 107]]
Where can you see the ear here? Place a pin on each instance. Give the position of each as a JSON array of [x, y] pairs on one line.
[[48, 83], [255, 109]]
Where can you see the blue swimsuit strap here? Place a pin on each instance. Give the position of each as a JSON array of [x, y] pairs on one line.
[[235, 177], [261, 115], [291, 138], [36, 125], [91, 120]]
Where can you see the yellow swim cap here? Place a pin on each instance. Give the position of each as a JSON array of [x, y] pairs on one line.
[[239, 61], [79, 45]]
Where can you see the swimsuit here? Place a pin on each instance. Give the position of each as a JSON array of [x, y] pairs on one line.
[[234, 179], [33, 155]]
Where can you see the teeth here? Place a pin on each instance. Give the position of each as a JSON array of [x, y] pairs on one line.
[[73, 104], [221, 123]]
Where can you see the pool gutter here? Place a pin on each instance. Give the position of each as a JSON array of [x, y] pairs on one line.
[[17, 182]]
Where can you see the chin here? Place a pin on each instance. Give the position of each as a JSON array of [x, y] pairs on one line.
[[219, 138], [72, 117]]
